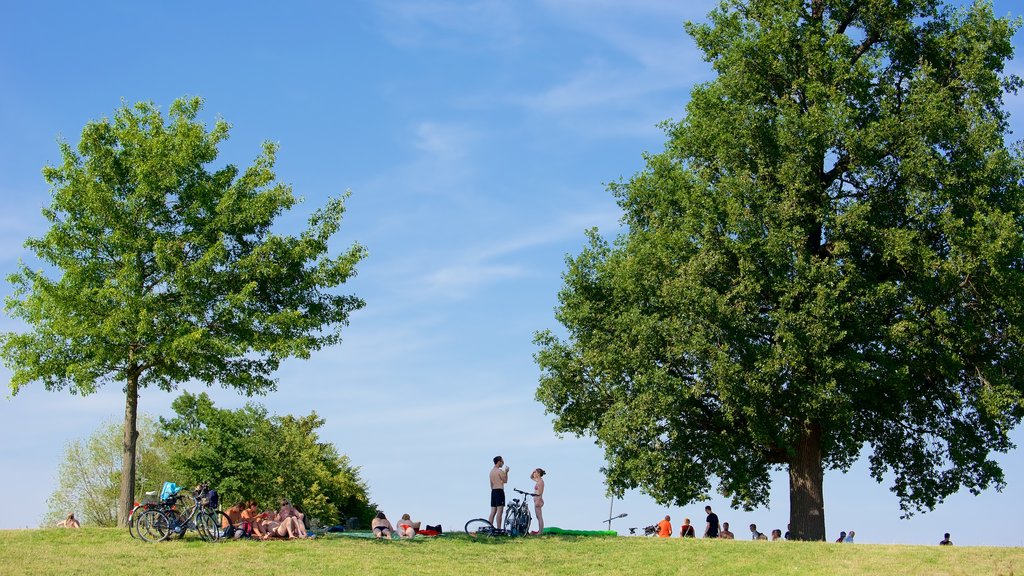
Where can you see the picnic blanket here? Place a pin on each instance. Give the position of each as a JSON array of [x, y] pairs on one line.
[[556, 530]]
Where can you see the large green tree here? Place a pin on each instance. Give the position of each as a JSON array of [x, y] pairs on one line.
[[247, 455], [825, 260], [157, 270]]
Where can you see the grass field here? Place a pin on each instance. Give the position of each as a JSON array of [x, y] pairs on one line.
[[112, 551]]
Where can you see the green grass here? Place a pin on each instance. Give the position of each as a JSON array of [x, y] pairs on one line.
[[112, 551]]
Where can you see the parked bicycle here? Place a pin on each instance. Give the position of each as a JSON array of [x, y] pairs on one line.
[[517, 515], [651, 530], [517, 520], [178, 513]]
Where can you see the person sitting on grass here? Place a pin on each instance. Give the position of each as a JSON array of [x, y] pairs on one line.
[[406, 527], [232, 525], [842, 536], [945, 540], [776, 535], [71, 522], [289, 511], [271, 527], [755, 535], [252, 524], [686, 530], [725, 534], [381, 526], [665, 527]]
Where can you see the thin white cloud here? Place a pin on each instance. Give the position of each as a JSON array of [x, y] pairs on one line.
[[635, 76], [449, 24], [482, 265]]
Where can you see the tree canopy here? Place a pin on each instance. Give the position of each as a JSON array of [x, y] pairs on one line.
[[827, 258], [156, 270], [247, 455]]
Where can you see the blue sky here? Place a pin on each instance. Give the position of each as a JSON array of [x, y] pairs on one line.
[[477, 138]]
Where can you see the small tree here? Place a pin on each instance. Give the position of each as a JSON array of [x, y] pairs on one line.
[[828, 256], [159, 271], [248, 455], [89, 478]]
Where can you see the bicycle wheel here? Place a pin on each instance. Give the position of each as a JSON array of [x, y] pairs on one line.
[[514, 521], [206, 525], [524, 522], [510, 522], [133, 517], [225, 527], [479, 527], [153, 526]]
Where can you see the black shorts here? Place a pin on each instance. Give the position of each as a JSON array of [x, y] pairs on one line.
[[497, 497]]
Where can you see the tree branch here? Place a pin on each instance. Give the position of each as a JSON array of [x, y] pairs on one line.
[[864, 47], [845, 22]]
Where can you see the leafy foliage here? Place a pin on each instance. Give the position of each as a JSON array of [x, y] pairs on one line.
[[88, 479], [165, 272], [828, 255], [247, 455]]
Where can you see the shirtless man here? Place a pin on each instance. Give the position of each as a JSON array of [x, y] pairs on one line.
[[234, 516], [499, 477]]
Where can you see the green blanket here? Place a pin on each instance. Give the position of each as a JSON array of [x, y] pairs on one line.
[[554, 530]]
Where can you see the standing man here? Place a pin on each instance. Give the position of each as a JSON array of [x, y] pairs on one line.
[[499, 477], [711, 530]]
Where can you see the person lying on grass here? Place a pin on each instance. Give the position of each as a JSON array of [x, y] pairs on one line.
[[381, 526], [69, 522], [406, 527]]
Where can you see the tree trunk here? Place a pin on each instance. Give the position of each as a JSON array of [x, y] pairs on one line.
[[131, 435], [806, 498]]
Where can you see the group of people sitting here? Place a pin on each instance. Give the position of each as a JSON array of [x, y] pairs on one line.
[[382, 528], [245, 520]]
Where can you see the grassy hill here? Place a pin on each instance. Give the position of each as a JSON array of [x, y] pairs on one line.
[[112, 551]]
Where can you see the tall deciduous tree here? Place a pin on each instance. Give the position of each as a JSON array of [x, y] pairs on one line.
[[158, 271], [826, 258]]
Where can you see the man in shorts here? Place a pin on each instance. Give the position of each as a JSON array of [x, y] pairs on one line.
[[499, 477]]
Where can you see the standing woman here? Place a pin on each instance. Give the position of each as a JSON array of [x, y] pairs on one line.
[[538, 498]]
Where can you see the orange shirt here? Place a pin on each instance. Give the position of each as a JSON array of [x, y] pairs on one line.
[[664, 529]]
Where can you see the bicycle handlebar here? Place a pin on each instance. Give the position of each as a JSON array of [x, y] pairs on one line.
[[524, 493]]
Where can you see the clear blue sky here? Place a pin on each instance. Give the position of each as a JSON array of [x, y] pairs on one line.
[[476, 137]]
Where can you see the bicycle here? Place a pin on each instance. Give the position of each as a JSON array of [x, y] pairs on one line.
[[517, 520], [168, 519], [517, 516], [651, 530]]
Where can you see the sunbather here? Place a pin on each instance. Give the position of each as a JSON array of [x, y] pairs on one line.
[[406, 527], [381, 526], [289, 511], [69, 522]]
